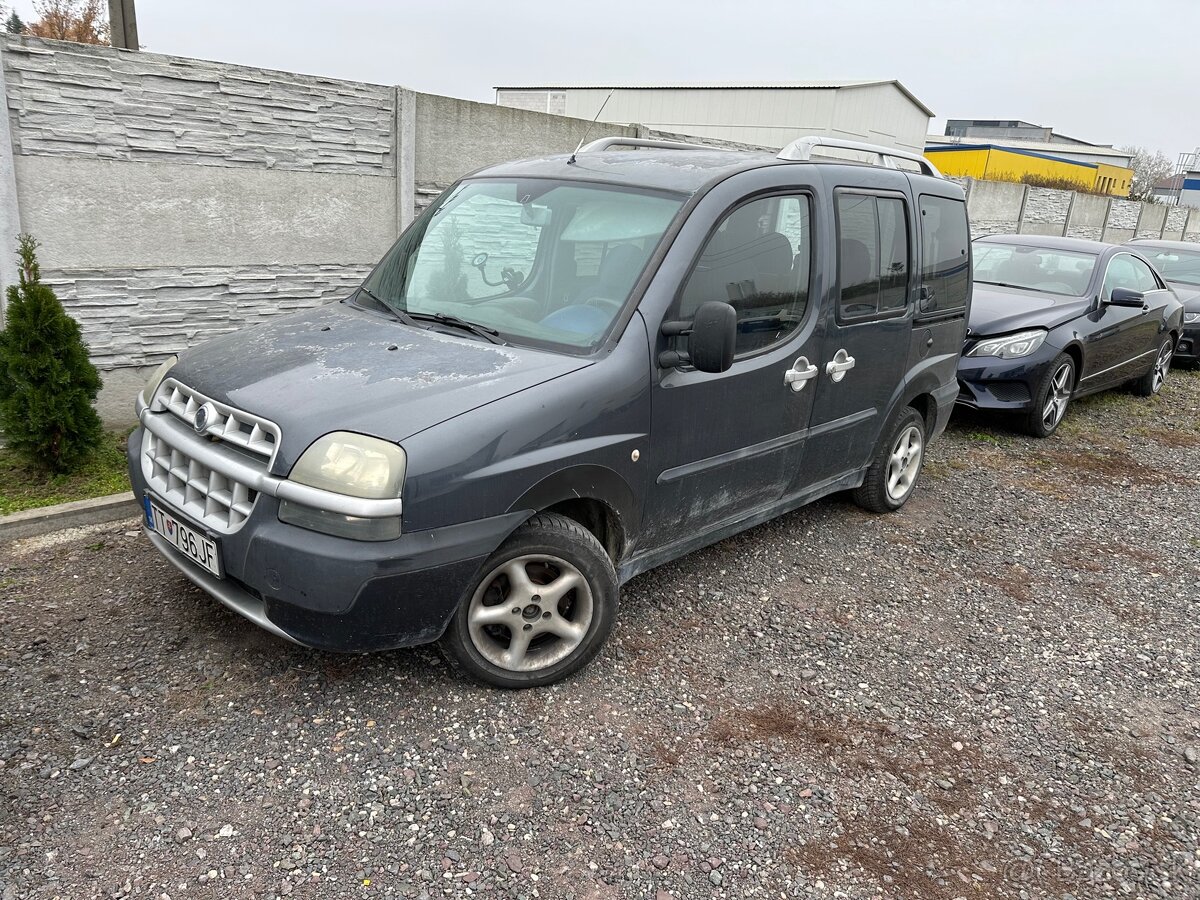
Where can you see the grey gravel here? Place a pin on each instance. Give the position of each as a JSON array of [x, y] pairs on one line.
[[991, 694]]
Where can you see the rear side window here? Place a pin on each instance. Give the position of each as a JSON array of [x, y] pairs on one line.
[[945, 267], [873, 256]]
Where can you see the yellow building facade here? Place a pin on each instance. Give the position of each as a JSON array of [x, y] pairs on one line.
[[993, 163]]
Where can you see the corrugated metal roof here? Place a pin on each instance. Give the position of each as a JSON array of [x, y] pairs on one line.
[[719, 86]]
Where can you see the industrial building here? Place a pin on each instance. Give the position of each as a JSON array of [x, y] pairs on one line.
[[1011, 150], [766, 115]]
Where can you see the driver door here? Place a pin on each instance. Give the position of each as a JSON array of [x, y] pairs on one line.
[[1118, 348], [727, 443]]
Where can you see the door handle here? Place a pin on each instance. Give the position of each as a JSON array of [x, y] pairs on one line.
[[800, 373], [837, 367]]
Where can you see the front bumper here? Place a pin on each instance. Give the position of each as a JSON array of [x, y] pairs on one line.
[[987, 382], [333, 593], [1188, 348]]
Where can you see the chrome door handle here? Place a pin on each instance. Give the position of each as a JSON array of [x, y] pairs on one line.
[[799, 373], [837, 367]]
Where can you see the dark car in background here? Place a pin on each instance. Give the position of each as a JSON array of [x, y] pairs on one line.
[[1179, 263], [1057, 318]]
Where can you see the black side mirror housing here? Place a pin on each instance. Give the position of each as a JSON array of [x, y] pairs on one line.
[[714, 333], [1126, 297], [711, 335]]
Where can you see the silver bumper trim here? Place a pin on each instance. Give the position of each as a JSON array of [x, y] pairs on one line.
[[170, 429], [228, 594]]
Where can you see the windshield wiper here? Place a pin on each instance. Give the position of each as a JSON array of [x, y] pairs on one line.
[[1019, 287], [488, 334], [387, 307]]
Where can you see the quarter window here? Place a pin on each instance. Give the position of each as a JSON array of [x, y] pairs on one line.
[[872, 256], [945, 271], [758, 261]]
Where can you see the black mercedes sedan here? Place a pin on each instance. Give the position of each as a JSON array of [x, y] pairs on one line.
[[1179, 263], [1056, 318]]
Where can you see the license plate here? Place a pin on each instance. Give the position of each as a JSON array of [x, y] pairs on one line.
[[187, 540]]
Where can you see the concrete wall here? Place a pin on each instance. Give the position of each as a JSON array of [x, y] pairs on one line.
[[1001, 207]]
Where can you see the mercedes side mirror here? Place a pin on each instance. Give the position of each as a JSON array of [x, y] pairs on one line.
[[1126, 297], [711, 335]]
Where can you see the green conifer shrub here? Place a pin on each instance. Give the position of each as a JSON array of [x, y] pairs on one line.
[[47, 382]]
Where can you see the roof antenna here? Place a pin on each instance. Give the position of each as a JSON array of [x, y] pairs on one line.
[[571, 161]]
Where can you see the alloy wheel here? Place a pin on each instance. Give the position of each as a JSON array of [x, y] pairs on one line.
[[1162, 365], [905, 462], [1060, 396], [530, 613]]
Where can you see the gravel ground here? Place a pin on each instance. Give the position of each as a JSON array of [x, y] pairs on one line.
[[991, 694]]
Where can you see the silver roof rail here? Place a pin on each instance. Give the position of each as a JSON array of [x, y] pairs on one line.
[[605, 143], [802, 150]]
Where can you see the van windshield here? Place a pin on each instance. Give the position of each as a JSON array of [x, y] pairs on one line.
[[539, 261]]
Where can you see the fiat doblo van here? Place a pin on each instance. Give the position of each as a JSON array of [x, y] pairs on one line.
[[567, 371]]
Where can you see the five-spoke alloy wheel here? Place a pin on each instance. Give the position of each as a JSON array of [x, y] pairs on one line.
[[541, 608], [1052, 398], [894, 470], [1151, 383]]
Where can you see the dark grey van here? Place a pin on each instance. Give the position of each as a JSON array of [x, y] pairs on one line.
[[567, 371]]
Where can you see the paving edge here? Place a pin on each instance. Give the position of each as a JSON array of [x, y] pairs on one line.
[[44, 519]]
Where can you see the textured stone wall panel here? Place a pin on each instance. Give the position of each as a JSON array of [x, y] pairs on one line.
[[133, 316], [82, 100]]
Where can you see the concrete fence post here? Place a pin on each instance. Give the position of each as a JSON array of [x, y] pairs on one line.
[[1070, 209], [1162, 231], [1107, 216], [1021, 214], [1138, 223], [404, 143], [10, 211]]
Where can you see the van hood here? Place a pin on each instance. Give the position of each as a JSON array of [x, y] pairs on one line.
[[339, 368], [1000, 310]]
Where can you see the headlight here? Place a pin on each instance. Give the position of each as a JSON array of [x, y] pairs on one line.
[[351, 464], [1191, 318], [1012, 346], [156, 379]]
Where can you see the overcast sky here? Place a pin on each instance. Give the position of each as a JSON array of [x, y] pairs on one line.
[[1103, 71]]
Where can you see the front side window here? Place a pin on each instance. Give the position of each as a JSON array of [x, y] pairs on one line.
[[544, 262], [758, 260], [872, 256], [945, 272], [1129, 272]]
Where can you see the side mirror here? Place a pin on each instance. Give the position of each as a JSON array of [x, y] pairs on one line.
[[711, 336], [1126, 297]]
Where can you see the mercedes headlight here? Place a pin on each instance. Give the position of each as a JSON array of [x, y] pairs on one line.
[[1011, 346], [354, 465], [156, 379], [1191, 318]]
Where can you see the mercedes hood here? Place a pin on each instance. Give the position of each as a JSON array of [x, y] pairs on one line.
[[1000, 310]]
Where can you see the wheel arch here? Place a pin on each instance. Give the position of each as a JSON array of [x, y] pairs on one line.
[[596, 497]]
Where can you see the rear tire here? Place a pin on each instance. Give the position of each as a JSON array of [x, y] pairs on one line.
[[894, 471], [1051, 399], [542, 607], [1151, 383]]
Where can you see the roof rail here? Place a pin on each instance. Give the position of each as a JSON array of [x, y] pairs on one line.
[[605, 143], [802, 149]]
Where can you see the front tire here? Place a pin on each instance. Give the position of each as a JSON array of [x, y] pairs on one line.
[[893, 473], [1051, 399], [543, 606], [1151, 383]]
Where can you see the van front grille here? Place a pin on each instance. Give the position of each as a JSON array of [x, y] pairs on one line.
[[217, 501]]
